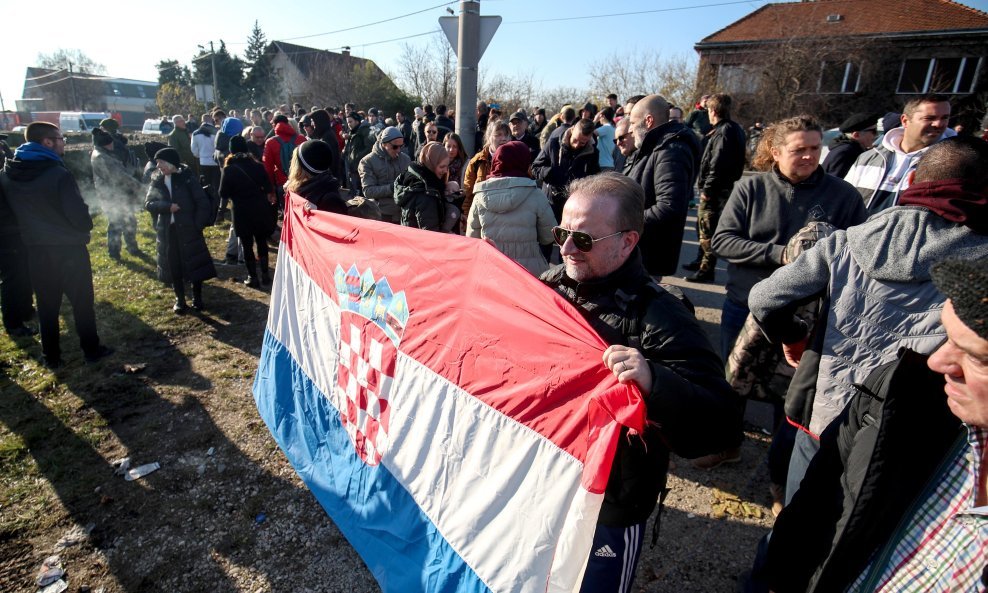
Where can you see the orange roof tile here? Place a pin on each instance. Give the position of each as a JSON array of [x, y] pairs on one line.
[[857, 17]]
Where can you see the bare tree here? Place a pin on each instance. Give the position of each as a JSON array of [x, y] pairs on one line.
[[61, 58], [644, 72], [428, 70]]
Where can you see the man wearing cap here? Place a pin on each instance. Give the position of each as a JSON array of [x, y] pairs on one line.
[[858, 133], [379, 169], [120, 150], [405, 127], [882, 173], [656, 345], [876, 278], [896, 500], [519, 131], [374, 121], [55, 224], [538, 123], [118, 193]]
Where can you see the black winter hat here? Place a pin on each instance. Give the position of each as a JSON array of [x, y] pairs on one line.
[[965, 283], [101, 137], [238, 144], [859, 121], [315, 156], [169, 155]]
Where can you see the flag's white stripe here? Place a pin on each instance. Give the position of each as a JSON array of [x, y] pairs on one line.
[[497, 491]]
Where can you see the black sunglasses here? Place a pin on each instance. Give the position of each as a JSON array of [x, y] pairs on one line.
[[583, 241]]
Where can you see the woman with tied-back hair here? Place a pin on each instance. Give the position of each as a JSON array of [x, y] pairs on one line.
[[479, 167]]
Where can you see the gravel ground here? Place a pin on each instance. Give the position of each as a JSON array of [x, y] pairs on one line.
[[227, 513]]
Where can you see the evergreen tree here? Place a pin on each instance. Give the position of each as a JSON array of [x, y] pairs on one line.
[[229, 75], [172, 71], [261, 83]]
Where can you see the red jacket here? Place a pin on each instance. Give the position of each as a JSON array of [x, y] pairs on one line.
[[272, 152]]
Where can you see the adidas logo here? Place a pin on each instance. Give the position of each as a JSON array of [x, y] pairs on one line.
[[605, 551]]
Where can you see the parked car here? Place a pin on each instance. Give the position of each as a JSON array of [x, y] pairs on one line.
[[80, 121], [152, 127]]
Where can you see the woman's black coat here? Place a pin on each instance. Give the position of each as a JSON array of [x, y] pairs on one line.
[[246, 184], [191, 218]]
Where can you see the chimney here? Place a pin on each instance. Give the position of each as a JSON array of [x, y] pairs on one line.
[[346, 51]]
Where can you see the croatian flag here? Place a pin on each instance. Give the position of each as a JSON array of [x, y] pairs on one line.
[[450, 412]]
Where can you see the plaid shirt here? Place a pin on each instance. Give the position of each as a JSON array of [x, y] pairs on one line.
[[943, 544]]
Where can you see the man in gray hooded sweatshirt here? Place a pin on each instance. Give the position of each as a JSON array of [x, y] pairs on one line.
[[876, 280]]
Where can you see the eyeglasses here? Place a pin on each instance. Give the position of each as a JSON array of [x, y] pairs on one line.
[[583, 241], [621, 138]]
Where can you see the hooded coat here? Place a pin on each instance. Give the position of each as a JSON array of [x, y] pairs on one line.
[[45, 198], [876, 276], [512, 212], [421, 195], [272, 152], [190, 220]]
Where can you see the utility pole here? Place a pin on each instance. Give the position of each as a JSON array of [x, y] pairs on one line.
[[75, 100], [216, 86], [467, 61]]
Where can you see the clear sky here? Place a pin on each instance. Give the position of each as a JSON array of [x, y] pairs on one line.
[[557, 51]]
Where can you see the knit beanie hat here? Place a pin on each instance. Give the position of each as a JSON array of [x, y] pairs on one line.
[[388, 134], [965, 283], [101, 137], [238, 144], [169, 155], [109, 124], [432, 154], [315, 156], [511, 160]]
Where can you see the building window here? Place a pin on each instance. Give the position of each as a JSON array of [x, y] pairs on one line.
[[839, 77], [736, 78], [938, 75]]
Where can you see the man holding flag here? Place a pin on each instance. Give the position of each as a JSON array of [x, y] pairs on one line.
[[657, 345]]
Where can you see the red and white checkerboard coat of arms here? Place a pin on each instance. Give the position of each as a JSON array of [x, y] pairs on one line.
[[371, 321]]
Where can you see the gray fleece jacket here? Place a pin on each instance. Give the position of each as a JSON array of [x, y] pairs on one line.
[[765, 211], [877, 278]]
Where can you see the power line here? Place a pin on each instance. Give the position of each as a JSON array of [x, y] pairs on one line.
[[601, 16], [53, 73], [388, 20]]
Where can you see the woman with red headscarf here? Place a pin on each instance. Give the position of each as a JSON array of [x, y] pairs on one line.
[[510, 210]]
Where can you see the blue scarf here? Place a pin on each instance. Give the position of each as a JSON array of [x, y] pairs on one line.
[[32, 151]]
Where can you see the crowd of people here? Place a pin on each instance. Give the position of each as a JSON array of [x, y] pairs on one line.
[[856, 288]]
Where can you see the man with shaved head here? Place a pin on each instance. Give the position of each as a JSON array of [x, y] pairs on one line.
[[666, 166]]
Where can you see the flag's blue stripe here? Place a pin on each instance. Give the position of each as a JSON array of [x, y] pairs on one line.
[[399, 543]]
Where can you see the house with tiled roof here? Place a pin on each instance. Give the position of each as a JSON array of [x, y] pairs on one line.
[[832, 58], [317, 76]]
